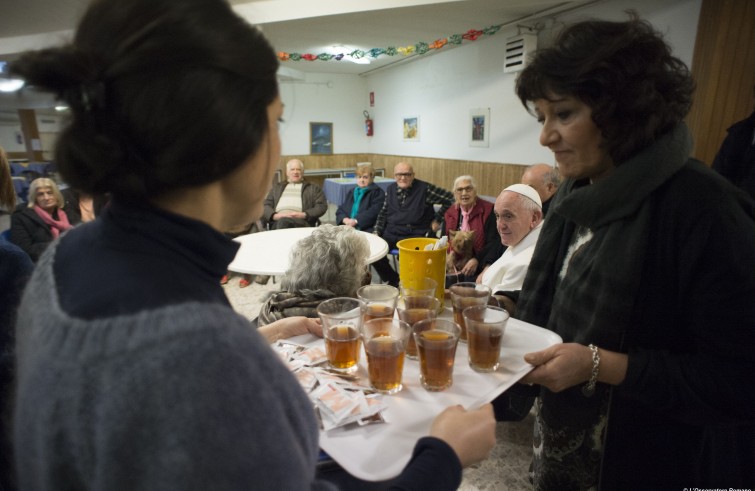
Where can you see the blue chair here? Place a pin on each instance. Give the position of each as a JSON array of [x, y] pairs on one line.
[[394, 258], [5, 235]]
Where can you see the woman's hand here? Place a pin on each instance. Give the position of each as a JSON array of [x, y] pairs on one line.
[[471, 434], [470, 267], [560, 366], [349, 222], [565, 365], [290, 327]]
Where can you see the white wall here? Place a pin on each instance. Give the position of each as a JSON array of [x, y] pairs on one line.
[[324, 98], [442, 88], [8, 139], [48, 127]]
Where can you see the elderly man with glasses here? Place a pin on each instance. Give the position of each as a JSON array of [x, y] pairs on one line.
[[408, 212]]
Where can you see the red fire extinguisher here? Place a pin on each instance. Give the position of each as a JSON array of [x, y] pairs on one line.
[[368, 129]]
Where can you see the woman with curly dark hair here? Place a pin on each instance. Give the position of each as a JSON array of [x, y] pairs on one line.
[[645, 268]]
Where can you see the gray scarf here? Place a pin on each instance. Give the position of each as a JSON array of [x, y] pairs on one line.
[[593, 302], [291, 304]]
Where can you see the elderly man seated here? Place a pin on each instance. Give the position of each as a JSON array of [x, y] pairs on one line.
[[408, 212], [293, 203], [519, 219], [545, 179]]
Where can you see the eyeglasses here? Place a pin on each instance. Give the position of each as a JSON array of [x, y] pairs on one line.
[[467, 189], [403, 174]]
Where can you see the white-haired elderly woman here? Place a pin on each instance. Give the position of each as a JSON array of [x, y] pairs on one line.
[[329, 263], [469, 212], [42, 220]]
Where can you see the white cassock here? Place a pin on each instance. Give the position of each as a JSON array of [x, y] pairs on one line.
[[508, 272]]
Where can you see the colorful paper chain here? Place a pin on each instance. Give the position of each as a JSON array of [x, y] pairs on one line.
[[420, 48]]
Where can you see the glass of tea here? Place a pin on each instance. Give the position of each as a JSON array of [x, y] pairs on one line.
[[467, 294], [414, 309], [436, 343], [418, 287], [385, 341], [341, 326], [377, 301], [485, 328]]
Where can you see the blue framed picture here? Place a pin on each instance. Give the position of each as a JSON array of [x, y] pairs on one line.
[[321, 138]]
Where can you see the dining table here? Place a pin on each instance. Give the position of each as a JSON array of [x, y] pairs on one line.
[[267, 253], [337, 189], [378, 452]]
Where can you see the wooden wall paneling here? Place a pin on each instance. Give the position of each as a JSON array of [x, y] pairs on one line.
[[724, 71]]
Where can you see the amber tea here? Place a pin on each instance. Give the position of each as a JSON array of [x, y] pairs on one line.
[[485, 328], [342, 345], [436, 343], [385, 363]]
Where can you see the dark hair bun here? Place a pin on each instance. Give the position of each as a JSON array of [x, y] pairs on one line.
[[163, 95]]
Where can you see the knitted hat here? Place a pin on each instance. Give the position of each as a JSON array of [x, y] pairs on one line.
[[527, 191]]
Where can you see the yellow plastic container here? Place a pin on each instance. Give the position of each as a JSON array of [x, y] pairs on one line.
[[415, 263]]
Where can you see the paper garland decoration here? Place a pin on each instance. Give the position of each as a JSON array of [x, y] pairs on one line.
[[420, 48]]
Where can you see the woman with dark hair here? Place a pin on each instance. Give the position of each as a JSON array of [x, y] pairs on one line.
[[645, 268], [133, 370], [34, 225]]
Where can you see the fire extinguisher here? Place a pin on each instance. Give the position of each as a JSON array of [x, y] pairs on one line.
[[368, 129]]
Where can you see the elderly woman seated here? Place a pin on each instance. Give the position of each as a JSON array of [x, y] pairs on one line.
[[329, 263], [36, 225]]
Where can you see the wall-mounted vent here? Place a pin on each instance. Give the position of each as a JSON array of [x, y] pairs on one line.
[[518, 48]]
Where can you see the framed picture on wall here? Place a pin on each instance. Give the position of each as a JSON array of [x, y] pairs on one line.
[[320, 138], [411, 128], [479, 127]]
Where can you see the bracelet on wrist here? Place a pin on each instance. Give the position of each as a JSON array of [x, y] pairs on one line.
[[589, 388]]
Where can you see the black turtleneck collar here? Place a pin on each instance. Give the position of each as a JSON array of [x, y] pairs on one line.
[[140, 257]]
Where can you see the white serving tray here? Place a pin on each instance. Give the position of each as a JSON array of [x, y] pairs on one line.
[[381, 451]]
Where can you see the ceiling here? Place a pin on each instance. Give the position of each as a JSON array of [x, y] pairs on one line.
[[298, 26]]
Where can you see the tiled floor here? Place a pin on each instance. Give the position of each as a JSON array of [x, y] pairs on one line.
[[505, 469]]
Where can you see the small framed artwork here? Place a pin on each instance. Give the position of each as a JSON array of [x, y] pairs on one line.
[[411, 128], [479, 127], [321, 138]]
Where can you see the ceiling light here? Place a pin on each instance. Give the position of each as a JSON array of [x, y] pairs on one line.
[[61, 108], [344, 51], [10, 84]]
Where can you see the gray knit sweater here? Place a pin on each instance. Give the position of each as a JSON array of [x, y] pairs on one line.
[[173, 398]]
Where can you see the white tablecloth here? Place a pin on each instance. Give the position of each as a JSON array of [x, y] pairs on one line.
[[268, 252]]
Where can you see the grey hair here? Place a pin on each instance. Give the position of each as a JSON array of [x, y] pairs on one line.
[[288, 164], [44, 182], [333, 258], [464, 178], [553, 176]]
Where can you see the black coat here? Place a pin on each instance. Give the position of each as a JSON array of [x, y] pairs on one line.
[[736, 158], [29, 232], [369, 208]]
